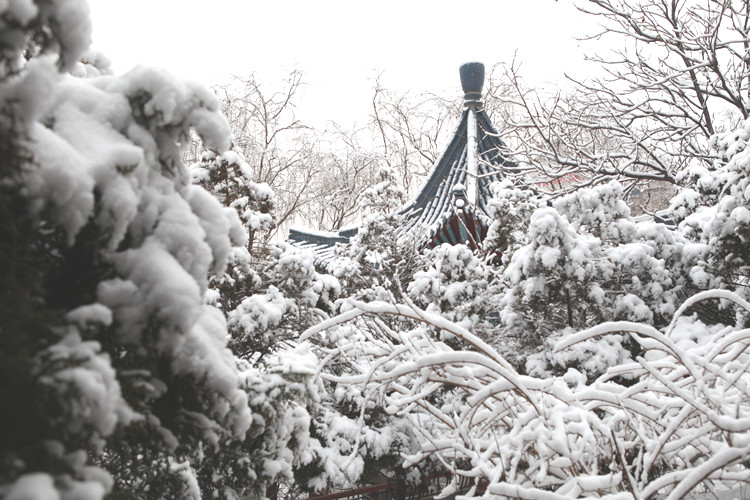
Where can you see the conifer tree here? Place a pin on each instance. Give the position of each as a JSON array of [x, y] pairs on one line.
[[117, 373]]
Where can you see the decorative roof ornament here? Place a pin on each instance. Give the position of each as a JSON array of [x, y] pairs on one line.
[[472, 81], [452, 206]]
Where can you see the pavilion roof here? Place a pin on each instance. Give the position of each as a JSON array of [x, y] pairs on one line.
[[459, 182]]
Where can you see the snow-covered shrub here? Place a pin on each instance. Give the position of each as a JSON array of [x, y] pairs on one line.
[[456, 284], [600, 212], [376, 439], [291, 439], [638, 265], [385, 195], [712, 217], [278, 295], [269, 293], [725, 227], [510, 209], [678, 428], [378, 261]]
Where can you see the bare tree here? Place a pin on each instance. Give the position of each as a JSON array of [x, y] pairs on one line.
[[277, 146], [318, 177], [346, 174], [682, 75], [410, 131]]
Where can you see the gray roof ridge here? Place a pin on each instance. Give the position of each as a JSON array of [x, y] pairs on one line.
[[432, 173]]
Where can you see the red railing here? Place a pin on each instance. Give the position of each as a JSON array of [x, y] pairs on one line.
[[389, 491]]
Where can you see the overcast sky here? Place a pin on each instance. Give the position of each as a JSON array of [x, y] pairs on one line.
[[341, 46]]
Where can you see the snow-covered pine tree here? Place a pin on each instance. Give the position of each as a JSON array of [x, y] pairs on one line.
[[510, 209], [712, 214], [229, 178], [722, 223], [380, 259], [116, 374], [282, 295], [639, 264], [589, 262], [458, 285], [549, 280], [385, 195], [271, 293]]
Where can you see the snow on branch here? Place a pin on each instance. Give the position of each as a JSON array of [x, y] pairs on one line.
[[675, 423]]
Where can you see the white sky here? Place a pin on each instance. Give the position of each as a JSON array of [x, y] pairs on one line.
[[341, 46]]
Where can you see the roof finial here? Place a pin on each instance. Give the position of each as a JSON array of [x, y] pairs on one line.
[[472, 81]]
